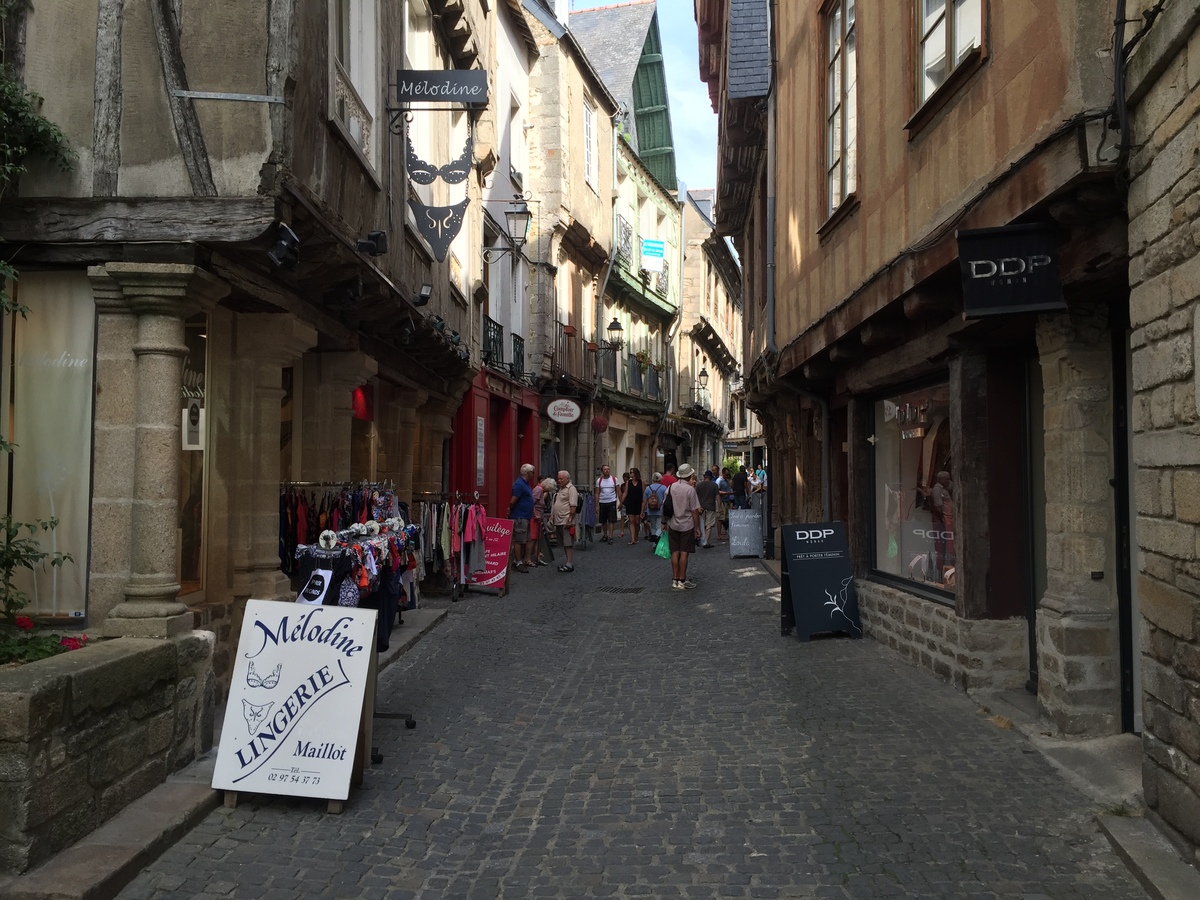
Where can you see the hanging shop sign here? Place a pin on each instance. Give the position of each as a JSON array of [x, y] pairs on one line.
[[817, 581], [563, 411], [1010, 270], [467, 86], [296, 699], [654, 253], [497, 545], [439, 225]]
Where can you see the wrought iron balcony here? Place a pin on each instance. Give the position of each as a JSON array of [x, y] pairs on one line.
[[662, 280], [653, 384], [493, 344], [570, 355], [700, 397], [517, 366], [606, 364], [636, 377]]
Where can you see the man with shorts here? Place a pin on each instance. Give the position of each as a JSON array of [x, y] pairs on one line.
[[520, 510], [683, 526], [563, 515], [606, 498]]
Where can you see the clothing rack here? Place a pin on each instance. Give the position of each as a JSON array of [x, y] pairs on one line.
[[388, 485]]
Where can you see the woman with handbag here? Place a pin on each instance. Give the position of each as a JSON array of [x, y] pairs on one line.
[[632, 493]]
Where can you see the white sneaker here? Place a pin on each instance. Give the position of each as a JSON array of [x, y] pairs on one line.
[[687, 585], [678, 585]]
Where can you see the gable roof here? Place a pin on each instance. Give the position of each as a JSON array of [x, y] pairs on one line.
[[624, 45]]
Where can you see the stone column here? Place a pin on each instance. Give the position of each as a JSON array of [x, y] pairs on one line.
[[437, 425], [162, 296], [329, 383], [113, 455], [969, 452], [407, 438], [1077, 628], [265, 345]]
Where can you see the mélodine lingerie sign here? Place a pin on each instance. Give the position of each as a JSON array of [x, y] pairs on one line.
[[291, 721], [468, 86]]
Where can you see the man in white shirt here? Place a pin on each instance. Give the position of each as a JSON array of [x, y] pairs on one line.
[[606, 499], [683, 526]]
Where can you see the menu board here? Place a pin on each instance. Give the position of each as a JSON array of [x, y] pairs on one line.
[[745, 532]]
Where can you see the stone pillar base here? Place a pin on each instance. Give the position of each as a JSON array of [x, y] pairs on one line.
[[131, 620]]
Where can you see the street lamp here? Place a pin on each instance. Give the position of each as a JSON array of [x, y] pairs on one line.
[[702, 378], [614, 334], [518, 217]]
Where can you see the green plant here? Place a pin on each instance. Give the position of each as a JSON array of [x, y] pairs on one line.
[[731, 463], [19, 643]]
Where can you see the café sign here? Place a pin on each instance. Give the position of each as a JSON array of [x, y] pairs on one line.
[[563, 411]]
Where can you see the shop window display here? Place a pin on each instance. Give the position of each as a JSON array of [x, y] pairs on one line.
[[914, 490]]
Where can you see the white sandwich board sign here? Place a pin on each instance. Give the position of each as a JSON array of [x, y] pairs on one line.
[[299, 681]]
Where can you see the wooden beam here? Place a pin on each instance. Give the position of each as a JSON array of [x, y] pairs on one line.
[[106, 124], [848, 350], [881, 334], [818, 370], [920, 305], [183, 109], [136, 219]]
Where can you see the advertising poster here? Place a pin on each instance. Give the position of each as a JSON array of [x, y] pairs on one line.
[[497, 540], [291, 722], [818, 581]]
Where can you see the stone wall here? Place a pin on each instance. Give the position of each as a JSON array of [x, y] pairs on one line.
[[1164, 305], [85, 733], [972, 654]]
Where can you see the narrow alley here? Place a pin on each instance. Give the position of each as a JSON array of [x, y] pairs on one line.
[[597, 734]]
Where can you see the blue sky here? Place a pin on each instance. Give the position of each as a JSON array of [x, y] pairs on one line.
[[692, 118]]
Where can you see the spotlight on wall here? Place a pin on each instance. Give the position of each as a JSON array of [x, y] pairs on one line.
[[438, 323], [464, 354], [374, 244], [455, 338], [424, 295], [286, 252]]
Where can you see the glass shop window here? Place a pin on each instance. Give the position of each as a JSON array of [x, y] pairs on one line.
[[191, 467], [914, 491]]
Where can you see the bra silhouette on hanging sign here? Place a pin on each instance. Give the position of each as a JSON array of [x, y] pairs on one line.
[[439, 225], [427, 173]]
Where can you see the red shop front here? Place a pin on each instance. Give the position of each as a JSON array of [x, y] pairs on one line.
[[495, 431]]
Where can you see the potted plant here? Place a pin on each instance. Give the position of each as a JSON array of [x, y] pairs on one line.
[[643, 358]]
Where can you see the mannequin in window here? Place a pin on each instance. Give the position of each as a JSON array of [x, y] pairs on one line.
[[941, 506]]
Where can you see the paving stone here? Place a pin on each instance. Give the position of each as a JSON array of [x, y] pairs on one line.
[[575, 743]]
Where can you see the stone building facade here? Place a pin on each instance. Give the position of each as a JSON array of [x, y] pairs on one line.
[[1163, 83], [980, 462]]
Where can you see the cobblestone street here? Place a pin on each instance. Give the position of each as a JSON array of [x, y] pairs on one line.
[[598, 734]]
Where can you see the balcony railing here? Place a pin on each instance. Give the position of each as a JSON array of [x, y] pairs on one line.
[[517, 366], [606, 363], [493, 344], [653, 385], [636, 377], [700, 397], [662, 280], [571, 356]]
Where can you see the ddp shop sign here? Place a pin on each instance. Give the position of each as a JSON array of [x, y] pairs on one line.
[[1010, 270]]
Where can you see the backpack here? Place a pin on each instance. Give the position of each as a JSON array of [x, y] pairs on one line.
[[652, 501], [669, 506]]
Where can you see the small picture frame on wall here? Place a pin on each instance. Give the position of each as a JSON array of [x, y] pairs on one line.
[[192, 426]]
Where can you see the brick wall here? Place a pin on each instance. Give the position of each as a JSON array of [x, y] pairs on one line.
[[1164, 305], [85, 733], [973, 654]]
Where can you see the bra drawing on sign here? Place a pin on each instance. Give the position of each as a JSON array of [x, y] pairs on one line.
[[427, 173], [269, 681]]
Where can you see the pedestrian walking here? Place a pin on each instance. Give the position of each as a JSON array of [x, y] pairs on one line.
[[564, 516], [725, 500], [741, 489], [542, 494], [632, 494], [668, 477], [520, 510], [655, 494], [606, 497], [709, 493], [683, 526]]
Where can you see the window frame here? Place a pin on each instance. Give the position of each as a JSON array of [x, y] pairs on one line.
[[356, 80], [591, 145], [957, 73], [847, 104]]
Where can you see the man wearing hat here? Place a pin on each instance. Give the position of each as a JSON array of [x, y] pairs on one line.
[[683, 525]]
